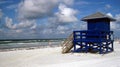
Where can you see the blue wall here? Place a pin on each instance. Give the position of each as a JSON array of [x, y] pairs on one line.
[[99, 24]]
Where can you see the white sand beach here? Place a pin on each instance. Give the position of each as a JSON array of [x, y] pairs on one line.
[[52, 57]]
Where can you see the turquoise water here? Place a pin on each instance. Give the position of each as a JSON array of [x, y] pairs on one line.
[[10, 44]]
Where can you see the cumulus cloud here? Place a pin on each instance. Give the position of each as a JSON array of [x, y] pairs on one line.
[[13, 6], [61, 21], [117, 17], [36, 8], [82, 3], [109, 14], [56, 21], [34, 26], [116, 24], [62, 29], [66, 14], [107, 6], [32, 9], [113, 25], [67, 2], [9, 22], [21, 25], [26, 24], [22, 29]]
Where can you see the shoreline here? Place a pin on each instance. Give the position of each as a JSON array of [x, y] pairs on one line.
[[29, 48]]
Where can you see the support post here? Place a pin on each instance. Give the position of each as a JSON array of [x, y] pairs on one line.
[[112, 46], [107, 46], [74, 46], [100, 50]]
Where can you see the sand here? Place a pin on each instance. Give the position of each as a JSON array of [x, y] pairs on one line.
[[52, 57]]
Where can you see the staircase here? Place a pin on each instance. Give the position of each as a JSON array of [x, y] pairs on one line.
[[67, 44]]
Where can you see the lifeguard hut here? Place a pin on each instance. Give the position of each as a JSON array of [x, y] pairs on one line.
[[97, 38]]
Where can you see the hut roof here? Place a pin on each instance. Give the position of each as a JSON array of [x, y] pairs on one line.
[[97, 15]]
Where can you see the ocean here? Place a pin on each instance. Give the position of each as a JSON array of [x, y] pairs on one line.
[[29, 43]]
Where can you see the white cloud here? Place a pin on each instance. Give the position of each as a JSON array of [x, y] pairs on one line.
[[36, 8], [116, 24], [113, 25], [107, 6], [15, 30], [21, 25], [62, 29], [9, 22], [109, 14], [32, 9], [18, 31], [25, 24], [34, 26], [82, 3], [58, 23], [118, 17], [13, 6], [68, 2], [47, 31], [66, 14]]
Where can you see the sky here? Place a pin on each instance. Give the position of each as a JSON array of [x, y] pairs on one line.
[[38, 19]]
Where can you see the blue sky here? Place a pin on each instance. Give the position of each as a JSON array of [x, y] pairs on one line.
[[22, 19]]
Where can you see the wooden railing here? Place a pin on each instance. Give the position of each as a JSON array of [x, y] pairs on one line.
[[93, 36]]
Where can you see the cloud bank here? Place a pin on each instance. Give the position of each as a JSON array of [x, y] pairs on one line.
[[58, 14]]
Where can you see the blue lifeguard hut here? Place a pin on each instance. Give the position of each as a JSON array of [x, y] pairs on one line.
[[97, 38]]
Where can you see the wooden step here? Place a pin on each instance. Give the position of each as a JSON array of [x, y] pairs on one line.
[[67, 44]]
